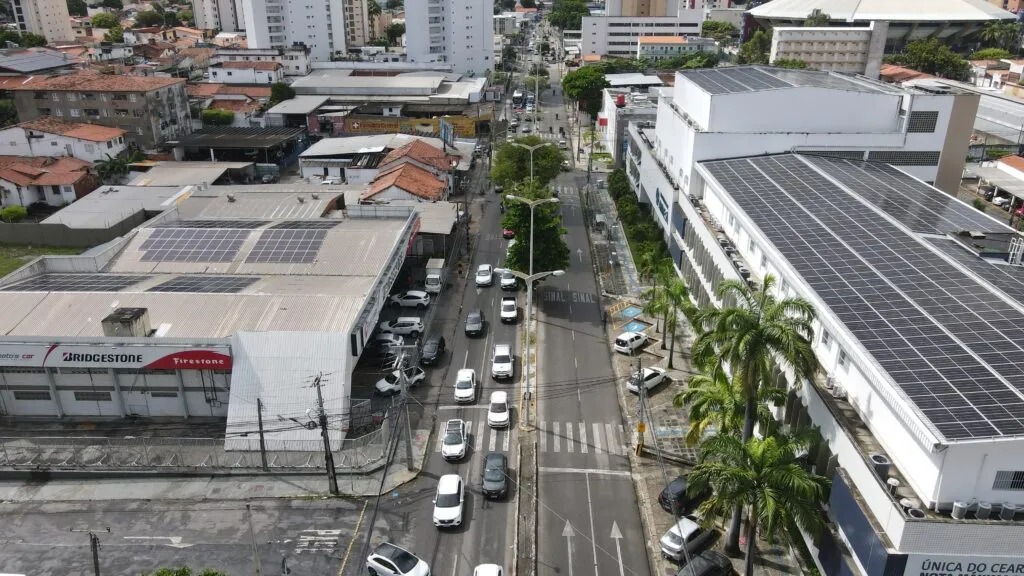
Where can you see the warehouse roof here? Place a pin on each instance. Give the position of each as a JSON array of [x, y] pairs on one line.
[[889, 10]]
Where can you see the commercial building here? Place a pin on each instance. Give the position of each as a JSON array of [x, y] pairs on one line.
[[849, 50], [620, 107], [655, 48], [260, 73], [919, 405], [458, 34], [319, 25], [508, 24], [948, 20], [151, 110], [49, 136], [618, 36], [47, 18], [294, 59], [360, 159], [719, 113], [217, 15]]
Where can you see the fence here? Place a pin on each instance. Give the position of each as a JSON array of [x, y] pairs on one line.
[[205, 455]]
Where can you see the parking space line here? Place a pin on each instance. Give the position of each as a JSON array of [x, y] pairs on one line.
[[555, 437], [568, 436], [440, 438], [478, 440], [584, 448], [597, 438], [543, 433], [493, 441], [613, 441], [505, 440]]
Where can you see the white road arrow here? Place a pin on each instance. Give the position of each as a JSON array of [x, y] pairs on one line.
[[173, 541], [568, 532], [616, 535], [579, 254]]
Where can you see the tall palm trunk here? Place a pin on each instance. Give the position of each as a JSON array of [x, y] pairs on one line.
[[748, 563], [672, 344], [732, 543]]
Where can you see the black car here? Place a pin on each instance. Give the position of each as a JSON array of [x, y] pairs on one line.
[[495, 476], [707, 563], [676, 495], [475, 323], [432, 351]]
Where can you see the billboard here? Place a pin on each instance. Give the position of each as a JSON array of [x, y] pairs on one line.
[[133, 357], [944, 565], [447, 132]]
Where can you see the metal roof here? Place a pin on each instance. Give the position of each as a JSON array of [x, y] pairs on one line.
[[299, 105], [888, 10], [235, 138], [632, 79], [31, 60], [186, 173], [108, 205]]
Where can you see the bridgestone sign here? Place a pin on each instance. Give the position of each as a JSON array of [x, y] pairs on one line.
[[101, 358], [163, 357]]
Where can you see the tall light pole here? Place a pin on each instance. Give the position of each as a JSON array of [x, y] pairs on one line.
[[531, 149], [529, 279]]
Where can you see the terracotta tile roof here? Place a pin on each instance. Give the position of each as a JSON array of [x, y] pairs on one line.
[[249, 65], [894, 73], [147, 30], [1015, 162], [80, 130], [410, 178], [202, 89], [55, 174], [422, 152], [93, 82], [236, 105], [11, 82], [65, 164], [209, 89]]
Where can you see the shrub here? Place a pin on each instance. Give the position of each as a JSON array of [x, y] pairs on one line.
[[14, 213], [979, 204], [217, 117]]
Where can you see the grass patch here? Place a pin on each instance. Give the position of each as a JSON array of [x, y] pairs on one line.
[[14, 256]]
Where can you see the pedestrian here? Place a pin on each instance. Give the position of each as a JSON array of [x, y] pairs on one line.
[[604, 319]]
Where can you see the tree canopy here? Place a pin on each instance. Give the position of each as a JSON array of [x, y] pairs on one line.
[[394, 33], [817, 18], [719, 30], [373, 8], [217, 117], [568, 14], [551, 252], [789, 63], [1001, 34], [584, 85], [77, 8], [105, 20], [148, 18], [990, 54], [279, 92], [115, 4], [932, 57], [756, 50], [115, 34], [512, 163]]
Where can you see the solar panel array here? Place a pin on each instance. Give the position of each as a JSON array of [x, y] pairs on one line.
[[231, 224], [75, 283], [192, 245], [206, 284], [733, 80], [287, 246], [921, 208], [306, 225], [1007, 278], [949, 343]]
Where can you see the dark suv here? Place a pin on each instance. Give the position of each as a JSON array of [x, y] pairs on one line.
[[495, 476], [707, 563], [432, 351], [675, 496]]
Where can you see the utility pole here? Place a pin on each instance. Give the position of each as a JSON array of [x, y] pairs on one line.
[[94, 544], [332, 476], [252, 538], [403, 378], [641, 426], [263, 441]]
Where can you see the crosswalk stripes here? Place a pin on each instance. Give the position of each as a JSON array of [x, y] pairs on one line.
[[613, 442], [584, 448], [597, 438], [556, 437], [568, 437]]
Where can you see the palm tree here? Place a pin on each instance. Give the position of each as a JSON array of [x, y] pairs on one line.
[[751, 335], [677, 296], [763, 475], [716, 402], [1000, 34]]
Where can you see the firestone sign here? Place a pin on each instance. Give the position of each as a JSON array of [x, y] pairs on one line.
[[148, 357], [921, 565]]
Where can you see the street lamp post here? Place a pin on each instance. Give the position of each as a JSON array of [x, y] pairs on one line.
[[531, 149]]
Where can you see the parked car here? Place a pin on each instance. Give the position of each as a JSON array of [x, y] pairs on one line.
[[501, 362], [387, 343], [508, 233], [392, 383], [330, 181], [686, 534], [432, 351], [509, 310], [629, 342], [411, 299], [676, 496], [498, 415], [390, 560], [484, 275], [410, 325], [649, 378], [508, 280], [488, 570], [494, 483], [475, 323], [454, 441], [448, 501], [707, 563], [465, 386]]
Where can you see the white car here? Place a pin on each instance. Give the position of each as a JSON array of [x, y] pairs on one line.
[[453, 443], [508, 279], [686, 533], [411, 299], [448, 501], [330, 181], [498, 411], [410, 325], [629, 342], [509, 310], [465, 386], [392, 383], [484, 275], [501, 362], [390, 560], [488, 570], [649, 379]]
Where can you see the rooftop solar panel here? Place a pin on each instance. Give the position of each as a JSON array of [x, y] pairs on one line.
[[945, 340], [75, 283], [192, 245], [306, 225], [287, 246], [1005, 277], [227, 224], [206, 284]]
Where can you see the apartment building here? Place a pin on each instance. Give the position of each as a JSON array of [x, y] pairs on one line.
[[357, 22], [294, 59], [317, 24], [852, 50], [655, 48], [217, 14], [618, 36], [456, 33], [151, 110], [250, 73], [48, 18]]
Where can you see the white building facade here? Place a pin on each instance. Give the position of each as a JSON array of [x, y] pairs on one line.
[[618, 36], [320, 26], [263, 73], [294, 59], [48, 18], [455, 33], [50, 137], [217, 14], [833, 49]]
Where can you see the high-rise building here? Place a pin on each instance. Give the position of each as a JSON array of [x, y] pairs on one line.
[[357, 22], [48, 18], [318, 24], [217, 14], [457, 33]]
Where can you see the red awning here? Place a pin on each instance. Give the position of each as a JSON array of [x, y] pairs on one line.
[[602, 121]]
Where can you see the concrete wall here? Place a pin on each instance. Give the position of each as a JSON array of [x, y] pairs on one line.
[[61, 235]]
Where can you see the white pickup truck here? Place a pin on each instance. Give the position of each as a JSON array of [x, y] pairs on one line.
[[509, 310]]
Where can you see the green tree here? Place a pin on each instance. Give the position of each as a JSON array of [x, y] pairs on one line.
[[115, 34], [30, 40], [187, 17], [545, 47], [217, 117], [528, 3], [719, 30], [715, 403], [394, 33], [677, 297], [933, 57], [373, 8], [766, 477], [584, 85], [752, 334], [789, 63], [539, 70], [535, 83], [620, 65], [8, 113], [618, 184], [551, 252], [507, 5], [105, 20], [13, 213], [568, 14], [393, 4], [77, 8], [756, 50], [990, 54], [817, 18], [113, 4], [1001, 34], [512, 163], [185, 571], [147, 18], [688, 61], [279, 92]]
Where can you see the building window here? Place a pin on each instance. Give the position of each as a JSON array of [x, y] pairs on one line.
[[844, 360], [826, 339], [1005, 479], [92, 396], [26, 395], [923, 121], [75, 113], [164, 394]]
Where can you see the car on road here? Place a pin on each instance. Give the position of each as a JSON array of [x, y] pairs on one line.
[[686, 534], [488, 570], [498, 415], [707, 563], [509, 310], [403, 325], [676, 496], [389, 560], [392, 383], [563, 144], [475, 323], [465, 386], [387, 343], [411, 299], [565, 166], [508, 280], [448, 501], [501, 362], [484, 275], [494, 483], [526, 129], [330, 181], [649, 378], [508, 233], [629, 342], [432, 351], [454, 441]]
